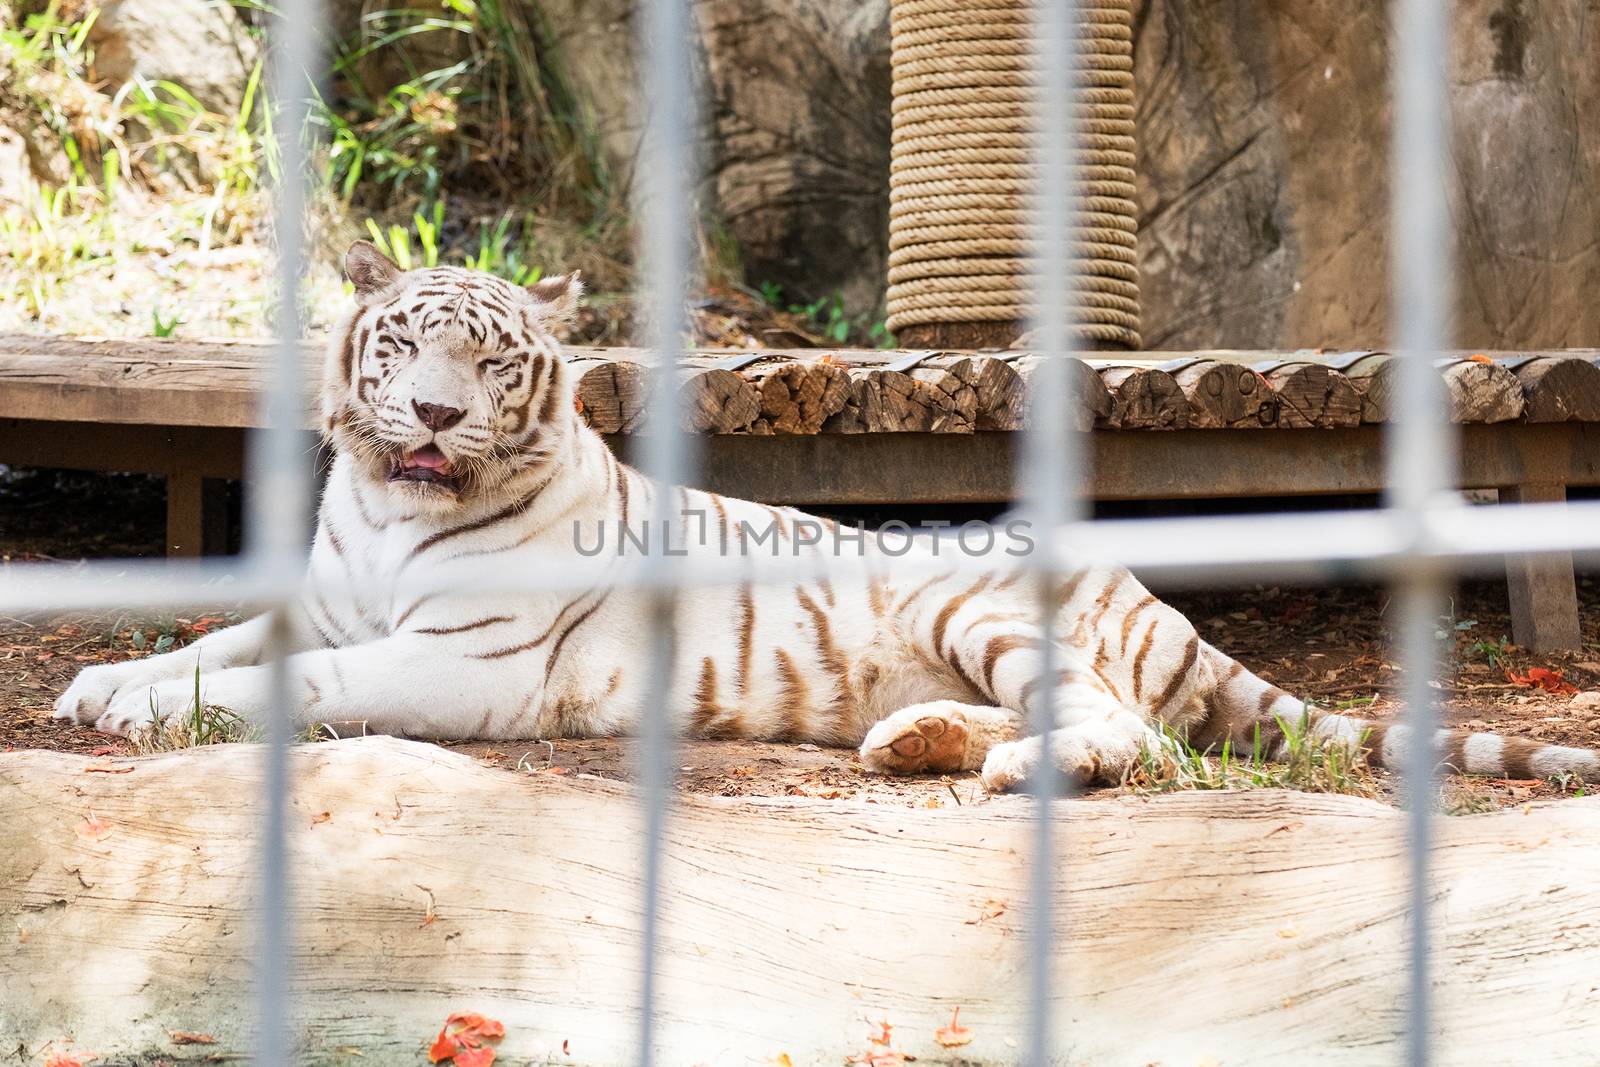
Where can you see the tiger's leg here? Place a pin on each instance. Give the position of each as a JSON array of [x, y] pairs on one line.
[[989, 642], [1085, 753], [95, 688], [405, 684]]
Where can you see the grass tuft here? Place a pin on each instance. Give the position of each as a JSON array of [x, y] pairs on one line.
[[201, 724], [1312, 764]]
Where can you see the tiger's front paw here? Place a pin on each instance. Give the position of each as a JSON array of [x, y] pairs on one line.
[[918, 739], [92, 692], [140, 707]]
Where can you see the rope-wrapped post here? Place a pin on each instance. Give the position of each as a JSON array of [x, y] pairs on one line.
[[962, 173]]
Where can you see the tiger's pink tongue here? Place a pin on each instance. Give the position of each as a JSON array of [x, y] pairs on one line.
[[428, 457]]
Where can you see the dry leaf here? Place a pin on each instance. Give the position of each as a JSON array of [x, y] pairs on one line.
[[108, 770], [189, 1037], [67, 1059], [954, 1035], [321, 816], [93, 828], [781, 1060], [1479, 357], [989, 909]]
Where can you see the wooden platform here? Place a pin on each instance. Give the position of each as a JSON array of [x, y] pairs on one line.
[[816, 427]]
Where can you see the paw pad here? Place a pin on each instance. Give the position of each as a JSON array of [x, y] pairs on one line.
[[929, 743]]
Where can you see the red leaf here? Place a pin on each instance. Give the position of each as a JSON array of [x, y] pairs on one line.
[[474, 1025], [444, 1046], [1542, 678], [66, 1059], [462, 1039]]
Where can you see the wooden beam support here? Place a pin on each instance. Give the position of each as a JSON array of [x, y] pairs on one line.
[[1541, 588]]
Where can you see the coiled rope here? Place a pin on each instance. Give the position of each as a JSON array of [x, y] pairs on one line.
[[961, 169]]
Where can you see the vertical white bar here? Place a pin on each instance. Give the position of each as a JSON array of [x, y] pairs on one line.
[[1420, 450], [664, 203], [1050, 461], [275, 518]]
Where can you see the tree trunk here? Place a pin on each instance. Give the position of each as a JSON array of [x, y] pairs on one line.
[[1240, 928]]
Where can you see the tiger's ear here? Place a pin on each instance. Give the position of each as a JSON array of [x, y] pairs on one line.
[[369, 270], [557, 298]]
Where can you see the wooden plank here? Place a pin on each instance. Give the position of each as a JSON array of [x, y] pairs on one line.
[[936, 468], [1541, 586], [1188, 465], [784, 920]]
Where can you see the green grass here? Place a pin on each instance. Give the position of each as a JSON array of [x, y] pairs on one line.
[[201, 724], [829, 318], [1312, 764]]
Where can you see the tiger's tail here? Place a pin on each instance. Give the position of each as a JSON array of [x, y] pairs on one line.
[[1247, 710]]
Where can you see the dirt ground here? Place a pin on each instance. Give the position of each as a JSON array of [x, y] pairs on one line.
[[1326, 644]]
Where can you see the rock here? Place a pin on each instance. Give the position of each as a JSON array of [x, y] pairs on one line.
[[1589, 700], [798, 169], [795, 149], [198, 44], [1263, 136]]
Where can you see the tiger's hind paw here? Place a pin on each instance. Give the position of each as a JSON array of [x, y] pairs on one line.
[[918, 739]]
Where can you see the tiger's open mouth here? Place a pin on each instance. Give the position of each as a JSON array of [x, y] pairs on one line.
[[426, 464]]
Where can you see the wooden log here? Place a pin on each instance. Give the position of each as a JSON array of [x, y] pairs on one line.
[[611, 392], [1091, 404], [797, 396], [1311, 395], [717, 400], [882, 399], [1002, 398], [1222, 395], [1558, 388], [1477, 388], [1482, 391], [127, 899], [1143, 397]]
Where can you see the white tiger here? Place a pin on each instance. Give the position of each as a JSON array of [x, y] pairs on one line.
[[457, 440]]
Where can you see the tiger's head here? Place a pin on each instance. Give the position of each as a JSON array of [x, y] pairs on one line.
[[447, 382]]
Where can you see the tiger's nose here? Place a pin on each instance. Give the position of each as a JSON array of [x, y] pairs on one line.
[[437, 417]]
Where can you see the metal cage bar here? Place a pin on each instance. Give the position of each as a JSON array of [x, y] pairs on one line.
[[1421, 447], [1417, 540], [1050, 461]]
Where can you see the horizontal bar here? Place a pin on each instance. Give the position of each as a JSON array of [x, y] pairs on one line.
[[1219, 550]]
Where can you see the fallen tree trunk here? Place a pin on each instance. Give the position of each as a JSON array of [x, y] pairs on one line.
[[1243, 928]]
